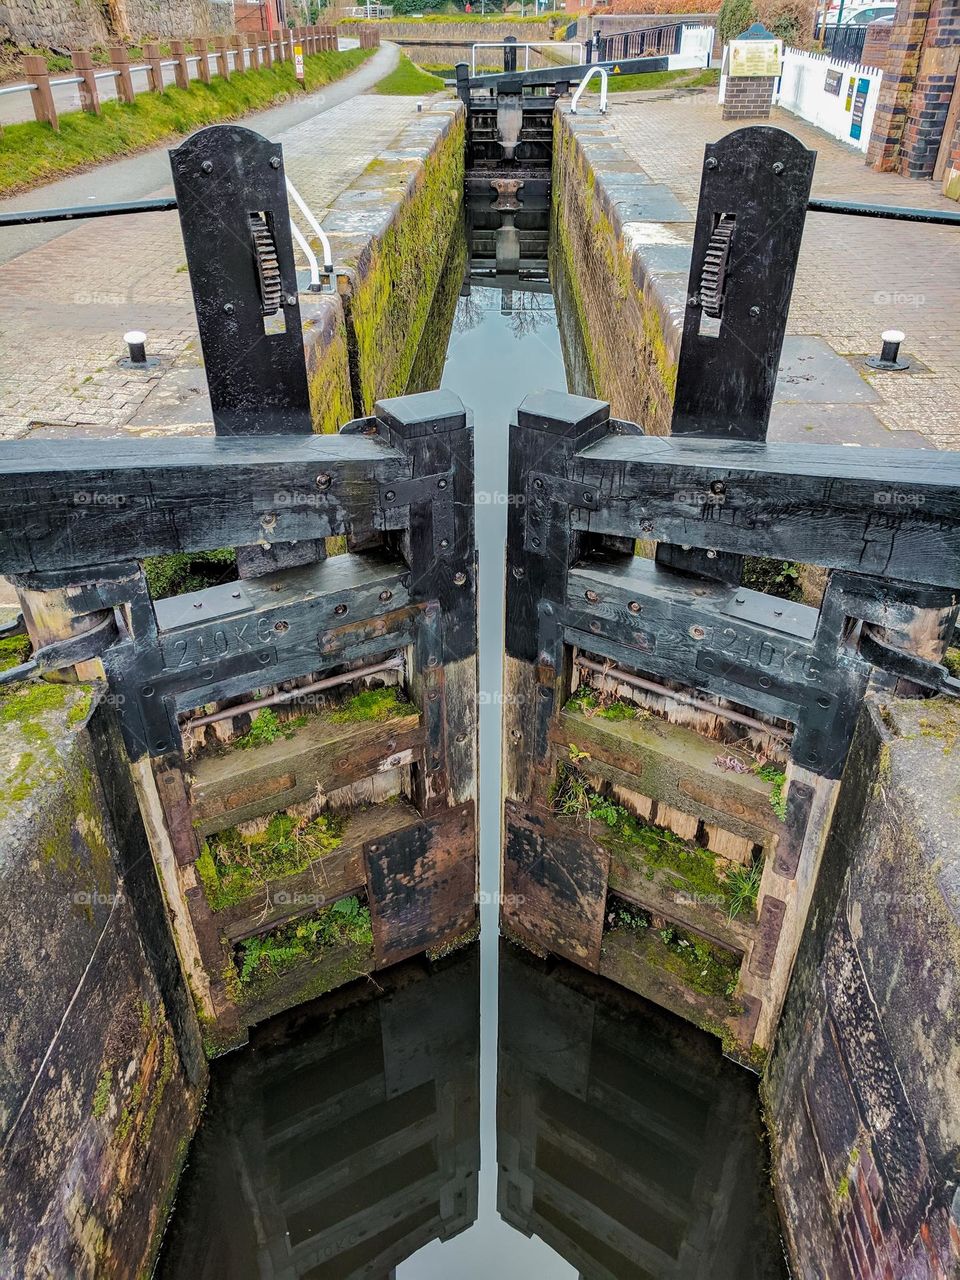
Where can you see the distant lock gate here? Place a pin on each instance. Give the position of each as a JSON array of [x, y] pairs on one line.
[[709, 674]]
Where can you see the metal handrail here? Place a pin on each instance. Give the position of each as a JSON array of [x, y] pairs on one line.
[[314, 225], [604, 77], [525, 45]]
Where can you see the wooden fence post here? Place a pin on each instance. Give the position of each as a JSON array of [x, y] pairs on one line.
[[151, 55], [268, 49], [182, 69], [223, 57], [200, 48], [120, 61], [281, 44], [89, 96], [44, 108], [253, 43], [239, 60]]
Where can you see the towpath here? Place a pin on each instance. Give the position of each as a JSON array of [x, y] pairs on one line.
[[856, 276], [69, 292]]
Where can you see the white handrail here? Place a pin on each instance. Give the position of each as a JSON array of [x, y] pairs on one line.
[[317, 230], [583, 84], [311, 257]]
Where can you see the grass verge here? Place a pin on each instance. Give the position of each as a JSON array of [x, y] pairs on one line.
[[661, 80], [31, 153], [407, 79]]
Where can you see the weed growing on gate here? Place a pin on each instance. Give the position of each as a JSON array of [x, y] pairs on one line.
[[32, 153], [271, 954]]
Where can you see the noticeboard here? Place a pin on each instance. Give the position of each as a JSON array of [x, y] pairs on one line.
[[755, 58], [859, 106], [833, 82]]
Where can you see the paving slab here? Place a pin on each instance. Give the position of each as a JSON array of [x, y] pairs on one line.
[[856, 277]]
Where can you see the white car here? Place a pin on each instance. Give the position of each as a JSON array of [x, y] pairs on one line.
[[859, 15]]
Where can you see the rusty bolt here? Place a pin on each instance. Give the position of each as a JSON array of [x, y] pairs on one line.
[[324, 480], [386, 595], [281, 626], [697, 632], [592, 597], [634, 606], [433, 695], [340, 610], [515, 735], [268, 519]]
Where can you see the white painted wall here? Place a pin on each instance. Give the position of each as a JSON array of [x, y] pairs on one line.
[[802, 93]]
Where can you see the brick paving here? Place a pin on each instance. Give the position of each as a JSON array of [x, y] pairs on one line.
[[65, 305], [856, 276]]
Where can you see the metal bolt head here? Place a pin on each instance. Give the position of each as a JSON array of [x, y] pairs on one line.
[[711, 162], [207, 166], [441, 484], [228, 308], [778, 167], [592, 597], [697, 632], [324, 480], [281, 626], [634, 606], [340, 610], [274, 162], [717, 486], [290, 300], [754, 313], [390, 495], [386, 595], [459, 579]]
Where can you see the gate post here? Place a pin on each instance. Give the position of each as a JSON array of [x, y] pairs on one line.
[[120, 61], [253, 43], [223, 56], [541, 547], [151, 55], [44, 107], [89, 95], [201, 48], [510, 53]]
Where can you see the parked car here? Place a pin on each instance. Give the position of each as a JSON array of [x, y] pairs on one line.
[[859, 15]]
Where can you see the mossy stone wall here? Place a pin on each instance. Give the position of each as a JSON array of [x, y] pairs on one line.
[[100, 1077], [624, 247], [863, 1087], [390, 230]]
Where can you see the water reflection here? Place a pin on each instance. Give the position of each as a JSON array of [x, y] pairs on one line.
[[343, 1139]]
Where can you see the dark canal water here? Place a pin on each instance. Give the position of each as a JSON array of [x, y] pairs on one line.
[[495, 1116]]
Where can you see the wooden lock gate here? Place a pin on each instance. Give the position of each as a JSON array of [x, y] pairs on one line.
[[361, 666], [674, 741]]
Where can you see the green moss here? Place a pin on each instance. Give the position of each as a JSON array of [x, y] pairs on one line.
[[407, 79], [374, 704], [656, 852], [328, 380], [774, 774], [14, 651], [232, 865], [591, 703], [389, 308], [266, 727], [271, 954], [951, 660], [189, 571], [32, 153], [101, 1094], [698, 964]]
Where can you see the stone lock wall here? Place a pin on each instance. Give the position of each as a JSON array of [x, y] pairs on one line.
[[80, 23], [863, 1089], [101, 1067]]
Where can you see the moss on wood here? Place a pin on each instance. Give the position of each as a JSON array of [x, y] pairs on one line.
[[270, 955], [374, 704], [235, 863]]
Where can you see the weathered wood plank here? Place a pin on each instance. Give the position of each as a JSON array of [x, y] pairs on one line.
[[76, 504]]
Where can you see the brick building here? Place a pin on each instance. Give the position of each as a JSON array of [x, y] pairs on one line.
[[916, 130]]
